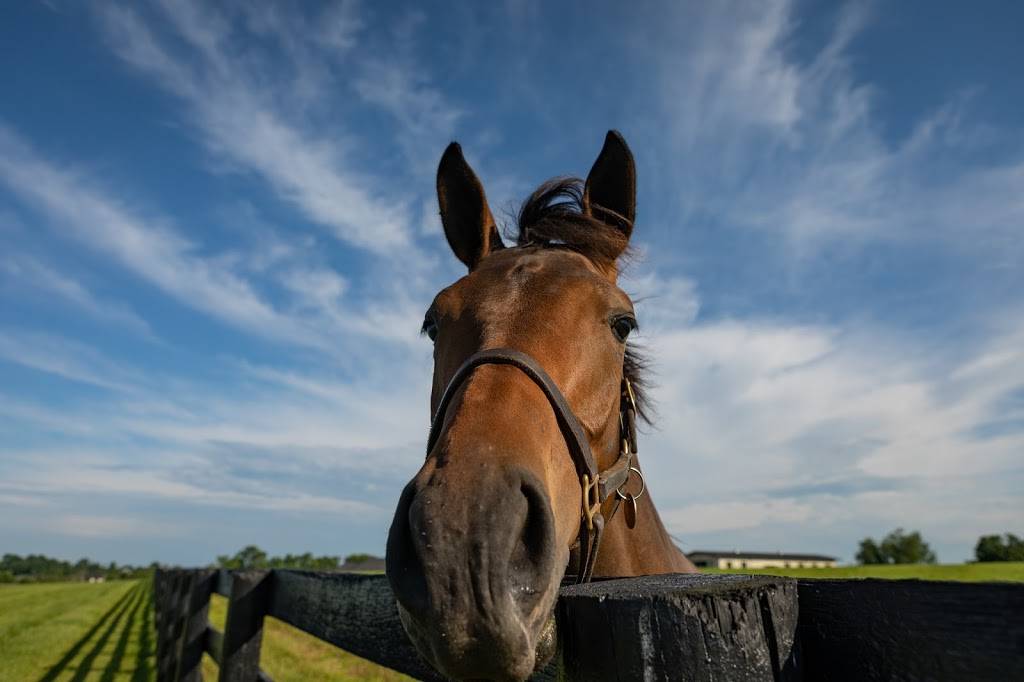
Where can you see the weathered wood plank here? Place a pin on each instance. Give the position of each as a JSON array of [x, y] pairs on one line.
[[168, 633], [243, 634], [192, 642], [680, 627], [911, 630], [354, 612]]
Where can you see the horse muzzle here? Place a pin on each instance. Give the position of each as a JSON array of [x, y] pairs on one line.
[[477, 576]]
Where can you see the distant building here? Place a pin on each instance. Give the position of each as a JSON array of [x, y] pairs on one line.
[[363, 564], [737, 559]]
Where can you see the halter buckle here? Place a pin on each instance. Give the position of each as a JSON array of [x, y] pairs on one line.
[[629, 393], [591, 500]]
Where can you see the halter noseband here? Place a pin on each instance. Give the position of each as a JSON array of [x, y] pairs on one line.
[[596, 485]]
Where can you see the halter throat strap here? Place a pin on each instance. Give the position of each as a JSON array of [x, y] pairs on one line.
[[596, 485]]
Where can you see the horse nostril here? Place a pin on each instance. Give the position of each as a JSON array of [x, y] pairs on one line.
[[402, 564], [533, 555]]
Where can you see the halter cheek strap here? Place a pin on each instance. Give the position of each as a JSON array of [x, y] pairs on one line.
[[596, 485]]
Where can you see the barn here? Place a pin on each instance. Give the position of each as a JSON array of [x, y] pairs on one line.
[[738, 559]]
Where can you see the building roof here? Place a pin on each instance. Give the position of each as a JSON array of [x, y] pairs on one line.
[[759, 555]]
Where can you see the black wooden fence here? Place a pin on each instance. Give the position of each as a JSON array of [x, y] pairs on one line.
[[670, 627]]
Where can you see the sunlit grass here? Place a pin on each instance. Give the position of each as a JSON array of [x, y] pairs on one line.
[[77, 631], [981, 572]]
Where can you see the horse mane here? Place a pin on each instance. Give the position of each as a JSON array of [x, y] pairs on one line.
[[553, 217]]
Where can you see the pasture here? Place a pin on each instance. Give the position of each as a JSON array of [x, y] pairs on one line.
[[82, 632], [76, 631]]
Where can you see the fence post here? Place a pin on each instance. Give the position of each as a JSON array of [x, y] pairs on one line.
[[194, 621], [681, 627], [243, 634], [168, 633]]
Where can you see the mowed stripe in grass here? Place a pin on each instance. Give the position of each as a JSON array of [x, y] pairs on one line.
[[290, 655], [76, 631]]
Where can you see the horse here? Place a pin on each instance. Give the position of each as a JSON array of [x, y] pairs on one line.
[[531, 455]]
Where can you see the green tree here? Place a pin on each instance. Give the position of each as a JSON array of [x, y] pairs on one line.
[[247, 558], [1014, 548], [869, 552], [898, 547], [995, 548]]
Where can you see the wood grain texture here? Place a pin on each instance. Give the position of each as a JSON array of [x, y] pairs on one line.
[[911, 630], [680, 627]]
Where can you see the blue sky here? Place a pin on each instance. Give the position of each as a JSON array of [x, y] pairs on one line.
[[219, 236]]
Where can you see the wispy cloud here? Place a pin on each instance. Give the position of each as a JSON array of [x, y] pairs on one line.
[[28, 274], [774, 413], [795, 145], [241, 120], [154, 252], [67, 359]]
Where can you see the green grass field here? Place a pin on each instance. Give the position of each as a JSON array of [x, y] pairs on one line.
[[987, 572], [104, 632], [76, 631]]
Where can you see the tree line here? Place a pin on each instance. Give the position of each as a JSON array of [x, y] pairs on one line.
[[900, 547], [39, 568], [251, 557]]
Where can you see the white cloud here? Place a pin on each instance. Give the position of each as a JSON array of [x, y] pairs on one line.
[[662, 303], [67, 359], [773, 425], [718, 516], [153, 252], [242, 120], [762, 139], [90, 526], [70, 473], [28, 273]]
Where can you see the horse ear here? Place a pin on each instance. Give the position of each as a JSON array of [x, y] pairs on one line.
[[610, 192], [468, 223]]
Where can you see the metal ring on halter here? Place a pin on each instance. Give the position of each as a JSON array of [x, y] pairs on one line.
[[643, 485]]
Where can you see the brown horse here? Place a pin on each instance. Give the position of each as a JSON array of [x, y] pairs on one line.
[[532, 375]]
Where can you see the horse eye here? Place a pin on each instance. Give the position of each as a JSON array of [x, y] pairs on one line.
[[622, 326], [429, 328]]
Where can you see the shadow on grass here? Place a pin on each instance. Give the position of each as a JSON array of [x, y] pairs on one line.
[[122, 642], [145, 657], [85, 665], [119, 608]]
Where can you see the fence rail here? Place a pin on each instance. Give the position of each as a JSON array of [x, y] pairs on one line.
[[671, 627]]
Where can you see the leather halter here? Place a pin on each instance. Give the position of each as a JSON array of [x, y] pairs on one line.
[[596, 485]]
